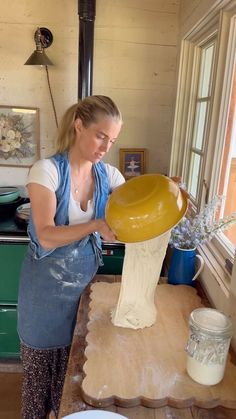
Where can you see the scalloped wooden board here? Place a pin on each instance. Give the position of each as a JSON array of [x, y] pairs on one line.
[[147, 367]]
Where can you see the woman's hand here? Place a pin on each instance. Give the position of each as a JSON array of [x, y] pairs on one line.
[[104, 230], [178, 180]]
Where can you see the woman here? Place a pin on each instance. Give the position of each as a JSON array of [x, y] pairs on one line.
[[68, 194]]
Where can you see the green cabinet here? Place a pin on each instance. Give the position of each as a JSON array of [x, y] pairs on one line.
[[9, 340], [113, 257], [11, 257]]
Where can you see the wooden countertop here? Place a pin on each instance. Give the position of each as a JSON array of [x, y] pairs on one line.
[[72, 400]]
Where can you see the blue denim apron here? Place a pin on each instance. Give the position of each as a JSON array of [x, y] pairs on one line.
[[49, 293], [52, 281]]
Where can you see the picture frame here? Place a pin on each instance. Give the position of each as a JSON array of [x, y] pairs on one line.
[[19, 136], [132, 162]]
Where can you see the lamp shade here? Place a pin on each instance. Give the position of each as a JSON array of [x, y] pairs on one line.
[[38, 58]]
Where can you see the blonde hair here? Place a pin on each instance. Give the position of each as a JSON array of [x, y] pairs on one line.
[[89, 110]]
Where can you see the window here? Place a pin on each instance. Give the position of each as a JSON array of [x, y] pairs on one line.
[[204, 138], [200, 119]]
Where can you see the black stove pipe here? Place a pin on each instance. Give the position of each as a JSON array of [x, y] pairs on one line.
[[87, 12]]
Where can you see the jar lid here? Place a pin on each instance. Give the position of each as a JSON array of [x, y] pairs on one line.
[[211, 321]]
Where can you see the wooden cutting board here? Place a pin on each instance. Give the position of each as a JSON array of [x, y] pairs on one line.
[[147, 366]]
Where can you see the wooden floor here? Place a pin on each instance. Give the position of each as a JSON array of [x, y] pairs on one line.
[[10, 395]]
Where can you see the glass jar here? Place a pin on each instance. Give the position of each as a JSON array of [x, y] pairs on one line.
[[210, 332]]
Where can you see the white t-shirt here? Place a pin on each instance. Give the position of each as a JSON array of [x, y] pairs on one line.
[[44, 172]]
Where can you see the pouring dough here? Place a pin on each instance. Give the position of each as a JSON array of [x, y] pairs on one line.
[[140, 275]]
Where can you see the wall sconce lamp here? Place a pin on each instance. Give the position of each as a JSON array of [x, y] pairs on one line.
[[43, 39]]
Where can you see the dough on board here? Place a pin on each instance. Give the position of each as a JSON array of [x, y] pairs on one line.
[[141, 272]]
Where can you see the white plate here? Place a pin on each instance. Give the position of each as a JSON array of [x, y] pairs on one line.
[[95, 414]]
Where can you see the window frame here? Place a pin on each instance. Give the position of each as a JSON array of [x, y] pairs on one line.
[[220, 242]]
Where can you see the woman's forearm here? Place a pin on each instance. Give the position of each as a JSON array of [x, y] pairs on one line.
[[51, 237]]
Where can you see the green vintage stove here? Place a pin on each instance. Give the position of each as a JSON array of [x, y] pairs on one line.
[[13, 245]]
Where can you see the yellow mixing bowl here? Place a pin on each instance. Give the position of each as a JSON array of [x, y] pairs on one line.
[[145, 207]]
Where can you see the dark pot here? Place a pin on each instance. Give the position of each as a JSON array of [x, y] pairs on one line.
[[9, 208]]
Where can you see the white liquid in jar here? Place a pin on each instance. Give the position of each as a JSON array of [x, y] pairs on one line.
[[208, 374], [208, 345]]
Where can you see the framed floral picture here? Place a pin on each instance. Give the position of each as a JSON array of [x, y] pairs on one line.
[[132, 162], [19, 136]]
